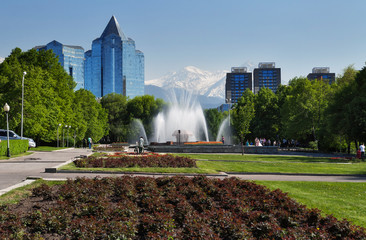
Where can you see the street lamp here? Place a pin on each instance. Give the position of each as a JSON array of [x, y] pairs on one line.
[[63, 136], [228, 100], [21, 124], [58, 126], [7, 109], [67, 140]]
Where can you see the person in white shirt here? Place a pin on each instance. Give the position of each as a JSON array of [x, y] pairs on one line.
[[362, 150]]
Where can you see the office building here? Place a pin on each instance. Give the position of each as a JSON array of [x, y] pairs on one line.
[[71, 58], [322, 73], [237, 81], [113, 65], [267, 75]]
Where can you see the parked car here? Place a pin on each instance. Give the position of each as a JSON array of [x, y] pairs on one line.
[[14, 136]]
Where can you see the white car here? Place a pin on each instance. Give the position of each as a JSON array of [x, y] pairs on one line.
[[14, 136]]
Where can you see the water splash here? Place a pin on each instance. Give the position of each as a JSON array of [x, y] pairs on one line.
[[226, 131], [185, 114], [136, 131]]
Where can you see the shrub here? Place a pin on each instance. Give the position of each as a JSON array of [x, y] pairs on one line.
[[16, 147]]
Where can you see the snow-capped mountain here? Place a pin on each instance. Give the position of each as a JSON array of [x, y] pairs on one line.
[[209, 84], [2, 59]]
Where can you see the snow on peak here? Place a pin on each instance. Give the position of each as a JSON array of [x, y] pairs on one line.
[[192, 78], [2, 59]]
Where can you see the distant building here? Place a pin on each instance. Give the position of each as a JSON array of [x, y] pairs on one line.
[[224, 107], [237, 81], [322, 73], [113, 65], [267, 75], [71, 58]]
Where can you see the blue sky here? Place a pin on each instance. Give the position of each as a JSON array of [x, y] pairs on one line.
[[209, 34]]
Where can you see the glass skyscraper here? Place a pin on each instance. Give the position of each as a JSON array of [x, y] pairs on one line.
[[236, 83], [267, 75], [113, 65], [71, 58]]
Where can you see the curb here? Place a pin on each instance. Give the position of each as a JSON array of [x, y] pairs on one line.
[[296, 174], [24, 183]]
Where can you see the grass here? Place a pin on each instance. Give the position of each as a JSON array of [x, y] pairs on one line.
[[15, 195], [264, 158], [72, 167], [47, 148], [251, 163], [342, 200]]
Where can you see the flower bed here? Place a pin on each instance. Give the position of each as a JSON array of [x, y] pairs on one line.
[[126, 161], [166, 208]]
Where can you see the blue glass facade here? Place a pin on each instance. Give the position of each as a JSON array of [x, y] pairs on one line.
[[114, 64], [71, 58], [266, 75], [236, 83]]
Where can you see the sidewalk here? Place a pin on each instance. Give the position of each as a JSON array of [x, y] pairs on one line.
[[23, 170]]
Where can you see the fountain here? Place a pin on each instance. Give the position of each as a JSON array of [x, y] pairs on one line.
[[225, 130], [136, 131], [183, 121]]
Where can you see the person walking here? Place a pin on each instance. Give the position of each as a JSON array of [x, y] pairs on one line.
[[362, 150], [90, 141], [141, 145], [223, 140]]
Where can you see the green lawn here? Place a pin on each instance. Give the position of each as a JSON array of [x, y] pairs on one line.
[[342, 200], [253, 163]]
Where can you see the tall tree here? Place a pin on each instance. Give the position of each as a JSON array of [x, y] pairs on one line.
[[303, 111], [243, 113], [118, 117], [267, 118]]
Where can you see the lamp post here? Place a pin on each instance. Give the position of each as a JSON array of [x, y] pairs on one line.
[[67, 140], [7, 109], [63, 136], [58, 126], [21, 124], [228, 100]]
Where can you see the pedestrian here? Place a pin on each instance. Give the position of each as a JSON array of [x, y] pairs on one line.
[[90, 142], [362, 150], [141, 145], [223, 140]]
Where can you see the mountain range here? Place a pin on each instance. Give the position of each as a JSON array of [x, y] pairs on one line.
[[207, 87]]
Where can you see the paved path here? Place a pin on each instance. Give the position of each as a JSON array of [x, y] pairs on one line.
[[14, 172]]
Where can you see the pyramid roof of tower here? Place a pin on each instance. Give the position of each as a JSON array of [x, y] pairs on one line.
[[113, 28]]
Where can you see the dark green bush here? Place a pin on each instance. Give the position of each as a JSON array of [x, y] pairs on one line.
[[16, 147]]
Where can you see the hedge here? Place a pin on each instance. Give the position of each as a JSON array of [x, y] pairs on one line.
[[16, 147]]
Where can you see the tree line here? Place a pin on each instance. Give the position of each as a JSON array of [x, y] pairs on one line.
[[51, 104], [315, 113]]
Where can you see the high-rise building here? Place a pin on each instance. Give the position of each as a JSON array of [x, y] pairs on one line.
[[237, 81], [70, 57], [267, 75], [114, 65], [322, 73]]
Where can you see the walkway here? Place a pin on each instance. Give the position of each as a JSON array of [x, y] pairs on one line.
[[15, 171]]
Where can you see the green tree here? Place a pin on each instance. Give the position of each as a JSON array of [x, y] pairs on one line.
[[267, 118], [243, 113], [94, 120], [213, 119], [340, 111], [303, 110], [118, 116], [145, 108], [48, 93]]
